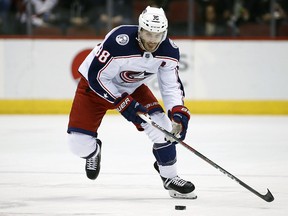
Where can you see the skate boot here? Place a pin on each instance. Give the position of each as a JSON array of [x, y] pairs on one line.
[[93, 163], [177, 187]]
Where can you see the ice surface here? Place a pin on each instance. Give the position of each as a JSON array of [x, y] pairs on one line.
[[40, 176]]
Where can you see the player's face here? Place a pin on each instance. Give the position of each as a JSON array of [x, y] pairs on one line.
[[150, 40]]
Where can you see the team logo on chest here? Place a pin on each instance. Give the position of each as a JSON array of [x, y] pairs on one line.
[[134, 76]]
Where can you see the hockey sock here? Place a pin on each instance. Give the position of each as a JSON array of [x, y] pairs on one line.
[[82, 145], [165, 154]]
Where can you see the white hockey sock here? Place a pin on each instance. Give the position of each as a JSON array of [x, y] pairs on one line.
[[81, 145], [168, 171]]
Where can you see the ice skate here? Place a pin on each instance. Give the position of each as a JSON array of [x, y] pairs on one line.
[[178, 188], [93, 163]]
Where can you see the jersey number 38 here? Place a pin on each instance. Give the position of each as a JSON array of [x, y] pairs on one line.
[[102, 55]]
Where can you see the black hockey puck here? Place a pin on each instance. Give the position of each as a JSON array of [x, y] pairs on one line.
[[180, 207]]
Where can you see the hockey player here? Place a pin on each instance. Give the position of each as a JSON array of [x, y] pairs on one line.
[[114, 76]]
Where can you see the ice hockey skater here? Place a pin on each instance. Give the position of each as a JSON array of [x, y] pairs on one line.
[[114, 76]]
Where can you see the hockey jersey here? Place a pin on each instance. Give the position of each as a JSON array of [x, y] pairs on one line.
[[119, 65]]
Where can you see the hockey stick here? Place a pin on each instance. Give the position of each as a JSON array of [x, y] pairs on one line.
[[268, 197]]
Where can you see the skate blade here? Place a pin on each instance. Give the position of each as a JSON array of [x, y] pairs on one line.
[[177, 195]]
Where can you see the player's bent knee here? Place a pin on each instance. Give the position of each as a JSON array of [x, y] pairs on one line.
[[81, 145], [162, 119], [154, 134]]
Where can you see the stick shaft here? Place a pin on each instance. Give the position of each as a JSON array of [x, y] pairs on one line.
[[267, 197]]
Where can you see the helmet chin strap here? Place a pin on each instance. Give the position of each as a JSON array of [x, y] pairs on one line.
[[140, 43]]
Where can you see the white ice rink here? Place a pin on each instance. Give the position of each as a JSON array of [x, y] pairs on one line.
[[39, 175]]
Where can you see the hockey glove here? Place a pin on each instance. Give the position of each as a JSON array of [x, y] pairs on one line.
[[180, 117], [129, 108]]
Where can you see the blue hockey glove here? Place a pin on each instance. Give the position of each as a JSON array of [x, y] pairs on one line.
[[129, 108], [180, 117]]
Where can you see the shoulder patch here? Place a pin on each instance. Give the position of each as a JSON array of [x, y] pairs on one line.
[[173, 44], [122, 39]]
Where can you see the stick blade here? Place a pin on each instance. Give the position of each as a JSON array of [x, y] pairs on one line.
[[268, 196]]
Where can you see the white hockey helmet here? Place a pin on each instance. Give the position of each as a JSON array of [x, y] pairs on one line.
[[153, 19]]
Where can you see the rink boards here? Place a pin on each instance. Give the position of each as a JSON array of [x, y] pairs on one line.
[[39, 76]]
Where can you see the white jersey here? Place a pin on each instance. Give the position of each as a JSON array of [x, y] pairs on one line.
[[119, 65]]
